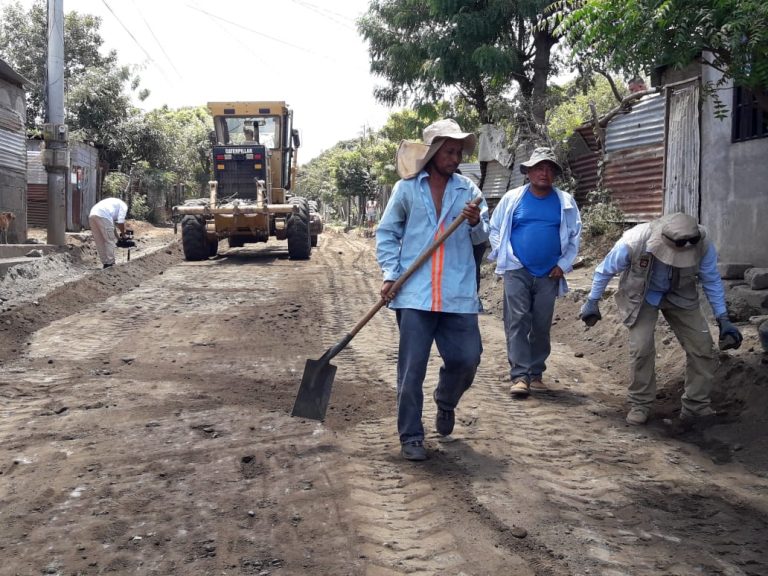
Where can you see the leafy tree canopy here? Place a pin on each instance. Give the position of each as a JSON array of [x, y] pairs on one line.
[[425, 49], [638, 35], [94, 82], [570, 107]]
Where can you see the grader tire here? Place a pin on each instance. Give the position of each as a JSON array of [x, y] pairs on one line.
[[193, 239], [297, 233]]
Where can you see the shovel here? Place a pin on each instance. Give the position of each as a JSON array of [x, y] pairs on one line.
[[315, 389]]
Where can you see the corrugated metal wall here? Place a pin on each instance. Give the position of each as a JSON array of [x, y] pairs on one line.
[[82, 194], [583, 157], [37, 205], [496, 183], [37, 187], [634, 160], [12, 148], [635, 178], [82, 185], [642, 126]]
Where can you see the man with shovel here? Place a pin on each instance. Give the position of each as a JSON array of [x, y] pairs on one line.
[[439, 302]]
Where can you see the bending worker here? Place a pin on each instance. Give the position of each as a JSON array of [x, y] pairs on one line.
[[104, 217], [661, 265]]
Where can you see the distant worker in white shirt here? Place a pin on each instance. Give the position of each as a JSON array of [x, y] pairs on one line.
[[105, 216]]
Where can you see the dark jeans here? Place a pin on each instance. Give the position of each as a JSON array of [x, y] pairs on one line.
[[457, 337]]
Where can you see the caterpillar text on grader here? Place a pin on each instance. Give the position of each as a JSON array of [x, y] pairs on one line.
[[254, 164]]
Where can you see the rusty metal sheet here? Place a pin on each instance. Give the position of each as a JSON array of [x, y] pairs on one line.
[[635, 179], [37, 205], [584, 170]]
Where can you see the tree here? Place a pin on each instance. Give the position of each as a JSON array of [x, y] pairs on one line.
[[94, 82], [426, 48], [353, 178], [730, 35], [570, 108]]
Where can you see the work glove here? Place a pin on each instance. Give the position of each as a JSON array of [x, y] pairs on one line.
[[590, 312], [730, 337]]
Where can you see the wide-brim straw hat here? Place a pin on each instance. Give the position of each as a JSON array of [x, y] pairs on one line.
[[413, 156], [678, 226], [540, 155]]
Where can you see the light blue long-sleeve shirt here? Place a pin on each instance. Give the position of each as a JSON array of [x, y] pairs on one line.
[[409, 225], [659, 282], [501, 225]]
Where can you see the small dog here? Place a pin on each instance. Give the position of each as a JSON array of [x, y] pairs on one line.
[[6, 219]]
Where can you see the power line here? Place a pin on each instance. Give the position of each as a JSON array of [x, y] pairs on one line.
[[157, 40], [267, 36], [325, 13], [134, 38]]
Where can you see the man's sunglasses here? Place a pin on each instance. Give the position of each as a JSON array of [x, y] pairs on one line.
[[683, 241]]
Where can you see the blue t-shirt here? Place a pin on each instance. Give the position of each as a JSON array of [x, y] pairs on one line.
[[535, 234]]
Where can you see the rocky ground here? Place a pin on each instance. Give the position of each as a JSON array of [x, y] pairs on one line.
[[146, 429]]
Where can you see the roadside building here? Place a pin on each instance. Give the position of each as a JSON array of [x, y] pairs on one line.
[[13, 157]]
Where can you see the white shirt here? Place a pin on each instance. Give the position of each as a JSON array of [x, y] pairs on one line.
[[112, 209]]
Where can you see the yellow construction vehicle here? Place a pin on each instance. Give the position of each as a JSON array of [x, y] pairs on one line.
[[254, 165]]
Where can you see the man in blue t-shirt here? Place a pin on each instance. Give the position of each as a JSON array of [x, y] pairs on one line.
[[535, 233]]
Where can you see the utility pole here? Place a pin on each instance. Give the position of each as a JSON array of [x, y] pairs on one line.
[[56, 153]]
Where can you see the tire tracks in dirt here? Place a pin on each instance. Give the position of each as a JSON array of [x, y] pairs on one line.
[[166, 446]]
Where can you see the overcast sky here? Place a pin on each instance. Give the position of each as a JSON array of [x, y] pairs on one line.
[[305, 52]]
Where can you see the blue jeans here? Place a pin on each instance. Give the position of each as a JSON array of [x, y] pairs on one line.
[[529, 303], [457, 337]]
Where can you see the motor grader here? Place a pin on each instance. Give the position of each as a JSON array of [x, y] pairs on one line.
[[254, 163]]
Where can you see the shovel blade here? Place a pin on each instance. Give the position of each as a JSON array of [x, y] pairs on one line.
[[315, 390]]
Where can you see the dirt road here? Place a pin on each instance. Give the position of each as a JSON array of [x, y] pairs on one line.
[[148, 432]]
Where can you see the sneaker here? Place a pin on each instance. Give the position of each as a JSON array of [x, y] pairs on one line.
[[444, 421], [520, 388], [637, 416], [413, 450]]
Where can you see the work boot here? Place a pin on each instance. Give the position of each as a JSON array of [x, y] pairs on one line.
[[520, 388], [688, 422], [413, 450], [444, 421], [637, 416]]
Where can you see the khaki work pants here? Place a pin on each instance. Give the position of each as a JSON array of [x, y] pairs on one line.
[[103, 231], [692, 332]]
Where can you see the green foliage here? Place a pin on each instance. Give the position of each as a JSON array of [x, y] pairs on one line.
[[641, 34], [602, 216], [424, 49], [95, 83], [353, 175], [139, 208], [572, 108], [115, 184]]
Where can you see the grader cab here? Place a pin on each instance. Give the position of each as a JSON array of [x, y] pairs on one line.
[[254, 165]]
